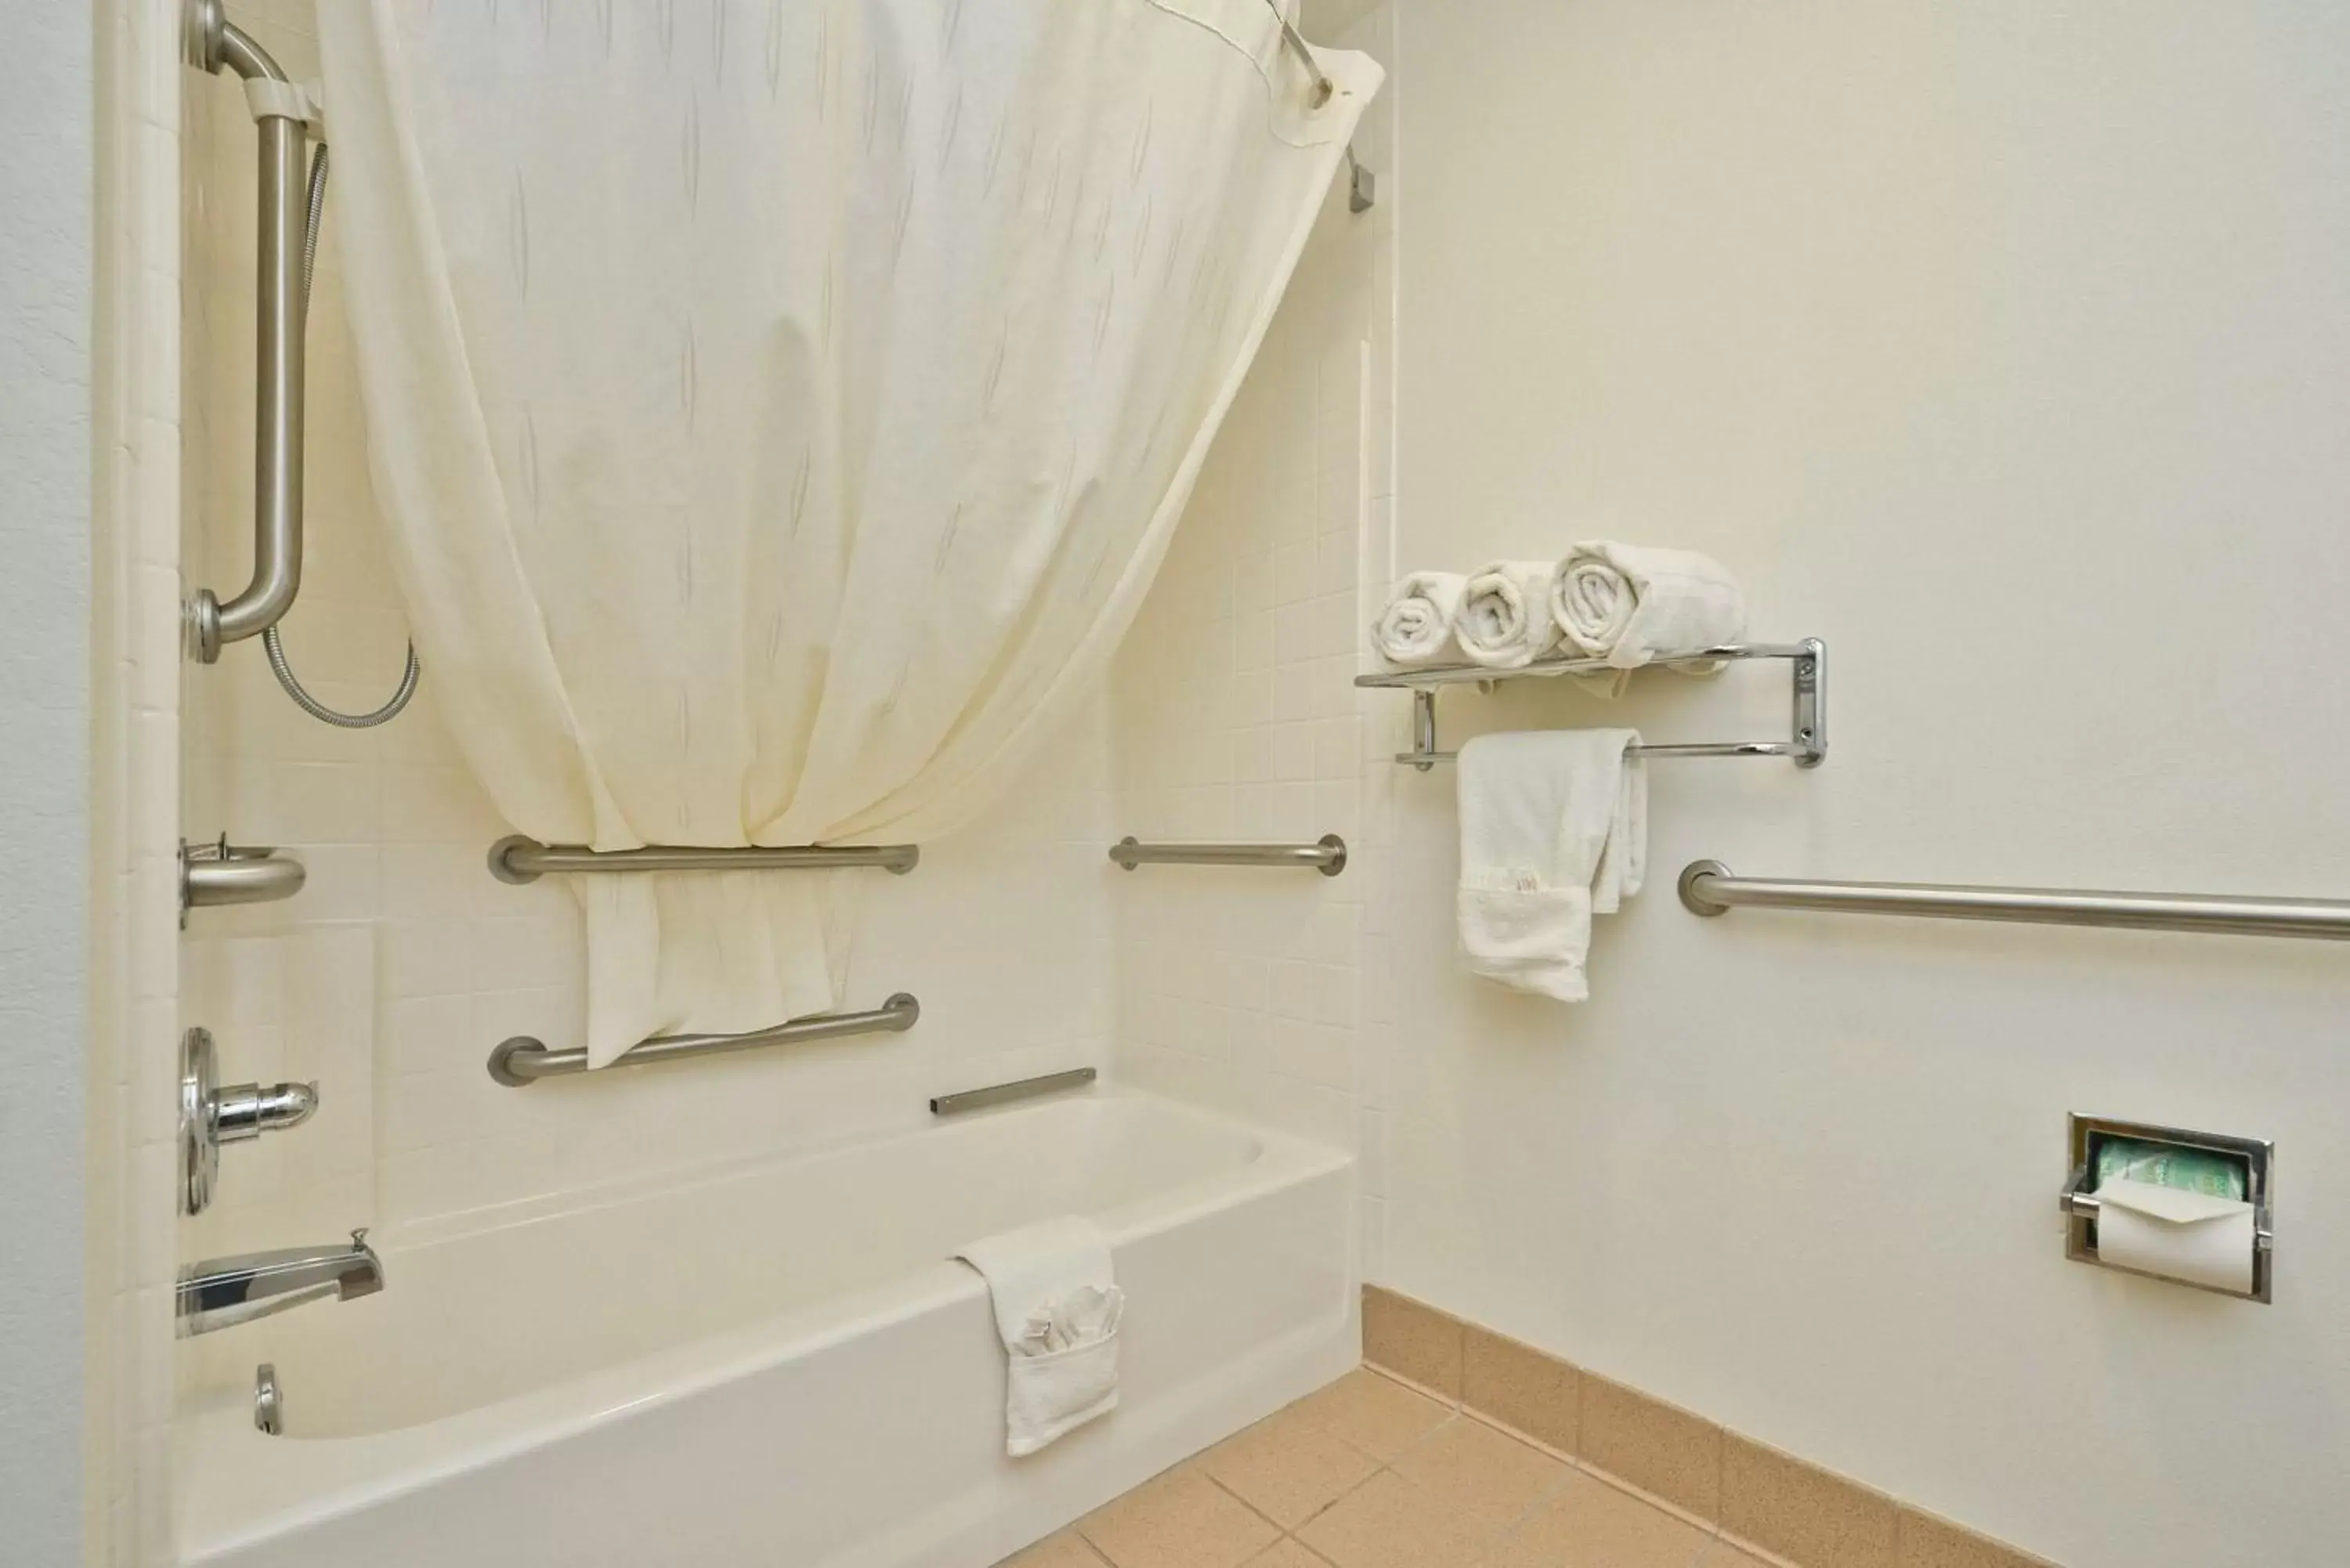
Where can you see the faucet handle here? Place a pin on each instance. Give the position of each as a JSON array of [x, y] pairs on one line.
[[359, 1239]]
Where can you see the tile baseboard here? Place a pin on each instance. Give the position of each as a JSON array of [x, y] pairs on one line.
[[1778, 1508]]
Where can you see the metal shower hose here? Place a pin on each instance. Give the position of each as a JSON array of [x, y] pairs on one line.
[[269, 641]]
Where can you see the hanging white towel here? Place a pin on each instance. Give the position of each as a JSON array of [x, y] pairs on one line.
[[1629, 603], [1057, 1310], [1416, 626], [1554, 830], [1504, 619]]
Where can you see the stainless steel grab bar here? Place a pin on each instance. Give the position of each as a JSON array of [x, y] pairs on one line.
[[1326, 855], [518, 859], [225, 873], [1004, 1094], [1709, 888], [522, 1060], [213, 43]]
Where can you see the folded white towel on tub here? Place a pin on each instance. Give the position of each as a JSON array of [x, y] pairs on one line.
[[1554, 830], [1504, 620], [1416, 626], [1630, 604], [1057, 1310]]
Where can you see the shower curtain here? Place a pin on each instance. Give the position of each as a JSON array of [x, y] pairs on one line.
[[779, 408]]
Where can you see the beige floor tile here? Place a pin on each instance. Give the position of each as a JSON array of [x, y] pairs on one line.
[[1411, 1338], [1590, 1524], [1800, 1511], [1520, 1386], [1066, 1550], [1288, 1468], [1288, 1554], [1491, 1477], [1178, 1519], [1655, 1445], [1722, 1554], [1387, 1522], [1375, 1414]]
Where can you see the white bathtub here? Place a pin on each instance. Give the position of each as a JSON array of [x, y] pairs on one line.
[[773, 1365]]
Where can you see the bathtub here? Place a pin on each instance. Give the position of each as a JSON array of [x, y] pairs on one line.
[[772, 1364]]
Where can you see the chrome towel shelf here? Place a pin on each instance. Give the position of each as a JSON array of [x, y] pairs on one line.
[[1326, 855], [522, 1060], [1807, 745], [1709, 888], [519, 860]]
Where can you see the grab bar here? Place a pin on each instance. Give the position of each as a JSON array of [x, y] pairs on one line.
[[225, 872], [1004, 1094], [522, 1060], [1326, 855], [1708, 887], [214, 43], [518, 859]]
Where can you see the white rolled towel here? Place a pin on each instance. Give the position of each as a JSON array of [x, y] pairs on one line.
[[1630, 605], [1504, 620], [1416, 626]]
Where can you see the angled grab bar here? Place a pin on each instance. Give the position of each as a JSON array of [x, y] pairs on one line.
[[1326, 855], [522, 1060], [214, 44], [519, 860], [1708, 887]]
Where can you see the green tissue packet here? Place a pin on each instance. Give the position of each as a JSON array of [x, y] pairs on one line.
[[2168, 1165]]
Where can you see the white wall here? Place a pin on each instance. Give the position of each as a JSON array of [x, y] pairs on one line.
[[44, 471], [2004, 346], [1236, 715]]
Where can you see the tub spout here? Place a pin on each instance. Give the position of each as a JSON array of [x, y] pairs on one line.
[[221, 1292]]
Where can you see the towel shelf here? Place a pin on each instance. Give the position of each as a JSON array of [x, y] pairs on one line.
[[1326, 855], [1807, 745], [1708, 887], [522, 1061], [519, 860]]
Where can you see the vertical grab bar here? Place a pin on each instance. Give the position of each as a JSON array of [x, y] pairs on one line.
[[214, 44]]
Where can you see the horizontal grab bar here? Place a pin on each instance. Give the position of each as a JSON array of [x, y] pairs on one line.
[[1708, 887], [1004, 1094], [1326, 855], [519, 860], [522, 1060]]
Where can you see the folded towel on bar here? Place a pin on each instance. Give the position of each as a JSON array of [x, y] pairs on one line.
[[1630, 604], [1554, 830], [1057, 1310], [1504, 620], [1416, 626]]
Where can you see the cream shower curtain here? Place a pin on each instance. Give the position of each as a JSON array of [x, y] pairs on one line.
[[780, 407]]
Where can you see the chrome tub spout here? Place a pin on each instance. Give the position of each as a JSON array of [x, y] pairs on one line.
[[221, 1292]]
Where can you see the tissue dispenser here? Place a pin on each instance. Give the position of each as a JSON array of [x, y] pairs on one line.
[[2152, 1208]]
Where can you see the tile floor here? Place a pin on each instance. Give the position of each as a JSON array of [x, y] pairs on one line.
[[1369, 1473]]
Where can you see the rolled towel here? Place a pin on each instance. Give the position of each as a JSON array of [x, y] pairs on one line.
[[1630, 605], [1505, 622], [1416, 627]]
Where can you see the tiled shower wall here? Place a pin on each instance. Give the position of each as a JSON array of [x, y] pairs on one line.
[[1236, 714], [402, 962], [134, 765]]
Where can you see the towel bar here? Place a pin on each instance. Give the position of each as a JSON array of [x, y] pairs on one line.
[[1807, 745], [1708, 887], [519, 860], [523, 1061], [1326, 855]]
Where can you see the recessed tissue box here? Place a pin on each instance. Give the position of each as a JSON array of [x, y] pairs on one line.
[[2186, 1207]]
